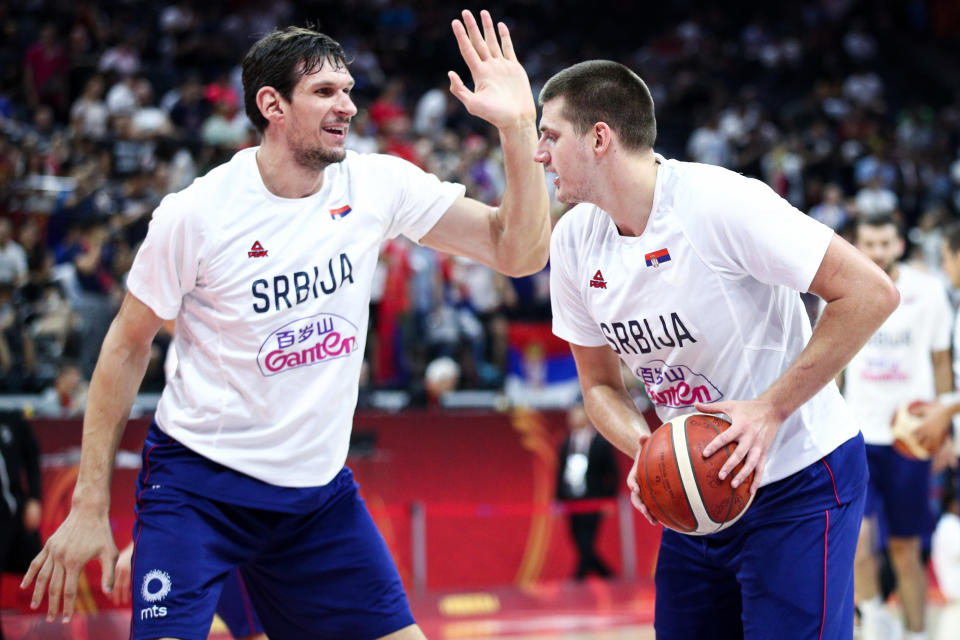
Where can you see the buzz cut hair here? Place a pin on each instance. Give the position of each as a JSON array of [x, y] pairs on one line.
[[605, 91], [280, 59]]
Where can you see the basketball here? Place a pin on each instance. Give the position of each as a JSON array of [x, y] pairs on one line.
[[905, 422], [680, 487]]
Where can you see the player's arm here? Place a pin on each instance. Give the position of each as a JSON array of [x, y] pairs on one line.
[[513, 238], [611, 409], [86, 531], [859, 297], [933, 431]]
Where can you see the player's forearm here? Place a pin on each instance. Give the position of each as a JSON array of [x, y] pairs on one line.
[[845, 326], [114, 387], [523, 236], [942, 371], [616, 417]]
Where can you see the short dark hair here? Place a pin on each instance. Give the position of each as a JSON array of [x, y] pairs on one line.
[[951, 233], [604, 91], [881, 220], [280, 59]]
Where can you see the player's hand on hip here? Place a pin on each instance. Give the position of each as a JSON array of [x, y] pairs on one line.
[[57, 567], [753, 428], [501, 90], [635, 488]]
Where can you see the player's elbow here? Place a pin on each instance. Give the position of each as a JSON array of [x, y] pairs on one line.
[[527, 262], [886, 296]]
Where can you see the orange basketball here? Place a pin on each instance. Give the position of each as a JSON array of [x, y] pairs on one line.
[[680, 487]]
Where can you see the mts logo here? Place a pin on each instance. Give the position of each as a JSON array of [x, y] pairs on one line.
[[153, 612]]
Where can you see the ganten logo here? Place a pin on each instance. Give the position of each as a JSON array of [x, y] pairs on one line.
[[306, 342]]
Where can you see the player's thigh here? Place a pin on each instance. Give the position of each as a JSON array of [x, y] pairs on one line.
[[328, 574], [183, 549], [796, 575], [906, 503], [411, 632], [696, 598]]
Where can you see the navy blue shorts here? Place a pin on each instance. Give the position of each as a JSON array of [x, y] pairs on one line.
[[236, 609], [899, 492], [785, 570], [322, 572]]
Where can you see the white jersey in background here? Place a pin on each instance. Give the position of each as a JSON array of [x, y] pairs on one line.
[[704, 305], [271, 299], [895, 366]]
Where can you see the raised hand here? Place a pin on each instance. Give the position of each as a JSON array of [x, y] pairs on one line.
[[501, 90]]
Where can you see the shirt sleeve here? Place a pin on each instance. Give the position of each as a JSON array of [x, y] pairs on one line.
[[421, 199], [571, 321], [741, 227], [167, 265]]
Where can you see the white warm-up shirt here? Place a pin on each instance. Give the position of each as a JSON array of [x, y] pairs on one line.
[[703, 305], [895, 365], [271, 299]]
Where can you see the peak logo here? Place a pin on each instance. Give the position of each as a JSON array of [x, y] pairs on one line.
[[307, 342], [257, 251], [597, 282]]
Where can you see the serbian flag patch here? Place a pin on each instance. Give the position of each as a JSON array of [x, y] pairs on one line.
[[340, 212], [654, 258]]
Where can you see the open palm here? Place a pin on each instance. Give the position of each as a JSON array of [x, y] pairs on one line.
[[501, 93]]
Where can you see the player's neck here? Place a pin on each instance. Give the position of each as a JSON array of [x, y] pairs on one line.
[[284, 177], [629, 190]]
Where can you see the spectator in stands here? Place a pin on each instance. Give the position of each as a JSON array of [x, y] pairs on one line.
[[13, 259], [89, 116], [45, 71], [67, 397]]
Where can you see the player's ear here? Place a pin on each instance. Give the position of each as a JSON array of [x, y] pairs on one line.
[[270, 104], [601, 137]]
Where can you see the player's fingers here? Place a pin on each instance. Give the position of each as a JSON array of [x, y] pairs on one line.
[[720, 441], [750, 463], [506, 43], [40, 586], [476, 38], [463, 43], [34, 568], [758, 474], [458, 88], [642, 508], [739, 453], [108, 566], [70, 593], [712, 407], [490, 35], [54, 592]]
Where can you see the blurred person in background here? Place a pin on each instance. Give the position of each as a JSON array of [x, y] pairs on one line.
[[20, 494], [586, 469]]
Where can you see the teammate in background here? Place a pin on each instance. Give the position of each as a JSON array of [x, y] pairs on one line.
[[945, 556], [233, 607], [907, 359], [266, 263], [938, 415], [689, 273]]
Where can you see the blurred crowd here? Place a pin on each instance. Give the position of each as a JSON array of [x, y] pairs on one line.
[[845, 108]]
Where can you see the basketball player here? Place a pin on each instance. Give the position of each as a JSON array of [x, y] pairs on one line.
[[936, 425], [690, 275], [267, 264], [907, 359]]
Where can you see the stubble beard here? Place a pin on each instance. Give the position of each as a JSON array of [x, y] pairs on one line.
[[317, 158]]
